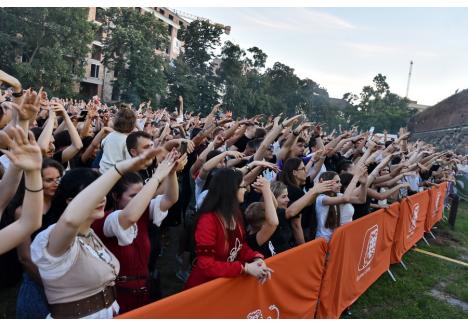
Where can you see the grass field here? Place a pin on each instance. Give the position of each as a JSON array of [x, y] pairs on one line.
[[409, 297]]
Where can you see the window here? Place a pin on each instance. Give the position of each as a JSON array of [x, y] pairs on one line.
[[115, 94], [169, 29], [162, 12], [96, 52], [100, 17], [94, 71], [171, 17]]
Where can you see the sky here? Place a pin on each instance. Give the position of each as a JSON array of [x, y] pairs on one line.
[[343, 49]]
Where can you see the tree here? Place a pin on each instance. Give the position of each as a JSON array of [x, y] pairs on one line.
[[192, 73], [377, 107], [45, 46], [129, 50]]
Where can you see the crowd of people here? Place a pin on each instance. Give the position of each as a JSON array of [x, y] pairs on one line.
[[86, 189]]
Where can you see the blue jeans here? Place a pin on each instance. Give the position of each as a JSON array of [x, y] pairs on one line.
[[31, 301]]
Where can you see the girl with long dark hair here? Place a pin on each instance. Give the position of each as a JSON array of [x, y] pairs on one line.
[[221, 248], [327, 206]]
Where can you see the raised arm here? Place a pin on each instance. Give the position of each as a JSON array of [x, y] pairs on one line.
[[137, 206], [269, 139], [271, 218], [25, 154], [46, 134], [213, 163], [96, 143], [295, 208], [76, 215], [76, 143]]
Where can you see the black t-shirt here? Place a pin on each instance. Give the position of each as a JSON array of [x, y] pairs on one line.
[[361, 210], [278, 242], [241, 143], [147, 173], [308, 220], [58, 156]]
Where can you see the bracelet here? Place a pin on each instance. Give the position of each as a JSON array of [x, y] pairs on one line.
[[33, 190], [18, 94], [115, 167]]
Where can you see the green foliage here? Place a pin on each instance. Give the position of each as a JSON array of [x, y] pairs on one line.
[[129, 50], [191, 74], [52, 42], [377, 106]]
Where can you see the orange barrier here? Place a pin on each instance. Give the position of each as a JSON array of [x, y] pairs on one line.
[[291, 293], [436, 205], [411, 224], [358, 253]]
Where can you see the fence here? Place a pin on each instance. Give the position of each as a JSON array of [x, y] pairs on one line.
[[314, 280]]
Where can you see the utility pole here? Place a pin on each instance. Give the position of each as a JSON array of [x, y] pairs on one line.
[[409, 78]]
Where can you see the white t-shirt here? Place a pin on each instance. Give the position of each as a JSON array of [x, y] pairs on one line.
[[414, 181], [321, 212], [112, 227], [346, 213], [115, 150]]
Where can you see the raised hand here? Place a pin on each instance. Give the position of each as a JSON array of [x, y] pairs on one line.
[[266, 165], [24, 152], [137, 163], [262, 185], [58, 109], [180, 163], [324, 186], [166, 165], [289, 122], [28, 105], [234, 154]]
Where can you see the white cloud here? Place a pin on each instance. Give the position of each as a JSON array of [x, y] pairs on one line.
[[298, 19]]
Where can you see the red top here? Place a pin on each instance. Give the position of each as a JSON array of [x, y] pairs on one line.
[[134, 257], [220, 253]]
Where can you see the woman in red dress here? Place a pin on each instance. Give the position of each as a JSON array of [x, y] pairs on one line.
[[124, 230], [221, 248]]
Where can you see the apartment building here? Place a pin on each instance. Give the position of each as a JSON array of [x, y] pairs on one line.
[[98, 79]]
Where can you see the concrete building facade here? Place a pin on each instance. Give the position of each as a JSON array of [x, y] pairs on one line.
[[98, 79]]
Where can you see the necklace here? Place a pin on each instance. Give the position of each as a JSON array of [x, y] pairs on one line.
[[97, 249]]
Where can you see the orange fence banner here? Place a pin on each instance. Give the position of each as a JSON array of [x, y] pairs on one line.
[[292, 291], [436, 205], [411, 224], [358, 253]]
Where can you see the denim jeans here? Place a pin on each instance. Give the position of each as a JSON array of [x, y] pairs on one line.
[[31, 301]]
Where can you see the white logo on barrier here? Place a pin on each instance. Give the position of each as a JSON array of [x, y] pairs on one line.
[[414, 219], [368, 247], [436, 207], [257, 314], [272, 248], [234, 251]]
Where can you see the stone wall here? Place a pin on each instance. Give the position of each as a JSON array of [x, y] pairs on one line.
[[455, 139]]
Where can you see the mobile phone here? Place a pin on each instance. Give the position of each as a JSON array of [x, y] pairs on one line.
[[371, 132], [183, 148]]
